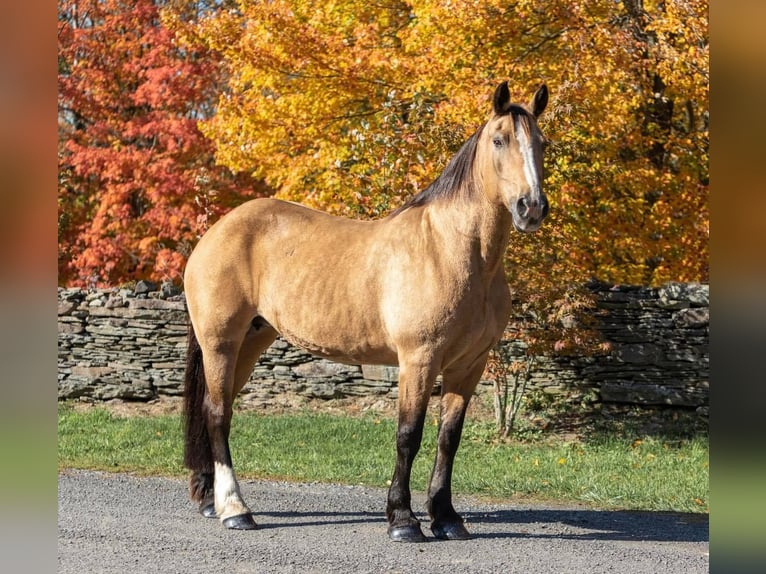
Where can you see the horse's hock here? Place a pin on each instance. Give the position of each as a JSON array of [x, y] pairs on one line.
[[131, 343]]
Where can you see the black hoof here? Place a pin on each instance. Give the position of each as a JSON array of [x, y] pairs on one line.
[[450, 531], [240, 522], [406, 533], [208, 510]]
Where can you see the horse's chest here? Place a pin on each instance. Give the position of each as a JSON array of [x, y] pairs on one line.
[[482, 317]]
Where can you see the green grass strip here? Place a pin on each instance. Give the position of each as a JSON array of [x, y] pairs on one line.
[[605, 471]]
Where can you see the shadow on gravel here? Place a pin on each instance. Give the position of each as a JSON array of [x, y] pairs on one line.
[[596, 525], [563, 524], [302, 519]]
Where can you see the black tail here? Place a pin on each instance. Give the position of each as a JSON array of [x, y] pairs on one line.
[[197, 454]]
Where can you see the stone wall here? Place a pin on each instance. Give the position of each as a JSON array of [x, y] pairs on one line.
[[659, 349], [130, 344]]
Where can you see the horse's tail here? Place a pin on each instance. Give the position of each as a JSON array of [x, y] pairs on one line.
[[197, 454]]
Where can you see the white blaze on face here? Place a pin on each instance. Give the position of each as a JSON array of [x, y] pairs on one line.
[[528, 157]]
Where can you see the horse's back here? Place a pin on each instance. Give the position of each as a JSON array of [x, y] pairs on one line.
[[266, 229], [314, 277]]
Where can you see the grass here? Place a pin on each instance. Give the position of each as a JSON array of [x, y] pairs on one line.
[[639, 473]]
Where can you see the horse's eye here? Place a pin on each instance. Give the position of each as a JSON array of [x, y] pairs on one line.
[[497, 142]]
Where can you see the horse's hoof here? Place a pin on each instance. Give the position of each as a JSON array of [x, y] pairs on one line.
[[406, 533], [240, 522], [450, 531], [208, 510]]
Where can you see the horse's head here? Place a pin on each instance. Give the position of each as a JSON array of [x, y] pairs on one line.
[[511, 158]]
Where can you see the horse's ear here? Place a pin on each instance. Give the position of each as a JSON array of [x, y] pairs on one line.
[[501, 99], [540, 100]]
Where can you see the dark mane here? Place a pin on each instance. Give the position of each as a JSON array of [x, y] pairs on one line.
[[456, 178]]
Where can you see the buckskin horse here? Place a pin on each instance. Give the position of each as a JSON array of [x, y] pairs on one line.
[[422, 288]]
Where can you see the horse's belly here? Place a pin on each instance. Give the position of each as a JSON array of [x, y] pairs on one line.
[[331, 327], [357, 351]]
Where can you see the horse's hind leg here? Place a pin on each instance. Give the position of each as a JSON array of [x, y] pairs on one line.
[[229, 505], [201, 481], [220, 364], [415, 384], [258, 338], [457, 389]]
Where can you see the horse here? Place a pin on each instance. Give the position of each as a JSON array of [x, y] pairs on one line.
[[422, 288]]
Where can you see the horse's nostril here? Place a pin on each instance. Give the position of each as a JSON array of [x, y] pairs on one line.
[[529, 208], [522, 207]]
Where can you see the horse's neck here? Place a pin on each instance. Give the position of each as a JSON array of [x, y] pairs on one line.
[[473, 230]]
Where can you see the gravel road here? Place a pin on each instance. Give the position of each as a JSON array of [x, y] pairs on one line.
[[116, 523]]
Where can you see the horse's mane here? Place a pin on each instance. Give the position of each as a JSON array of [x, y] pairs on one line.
[[456, 178]]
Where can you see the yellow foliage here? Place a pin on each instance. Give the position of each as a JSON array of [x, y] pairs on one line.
[[352, 107]]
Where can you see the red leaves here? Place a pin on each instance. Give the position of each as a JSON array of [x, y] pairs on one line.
[[137, 177]]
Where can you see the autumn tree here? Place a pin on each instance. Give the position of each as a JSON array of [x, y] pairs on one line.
[[137, 180], [353, 106]]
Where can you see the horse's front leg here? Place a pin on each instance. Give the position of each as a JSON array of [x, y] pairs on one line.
[[457, 389], [415, 384]]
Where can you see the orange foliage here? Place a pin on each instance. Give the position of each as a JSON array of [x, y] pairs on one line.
[[353, 106]]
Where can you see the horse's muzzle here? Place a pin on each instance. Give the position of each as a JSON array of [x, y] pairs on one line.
[[528, 213]]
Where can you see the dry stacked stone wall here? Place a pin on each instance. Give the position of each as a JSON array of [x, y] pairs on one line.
[[130, 344]]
